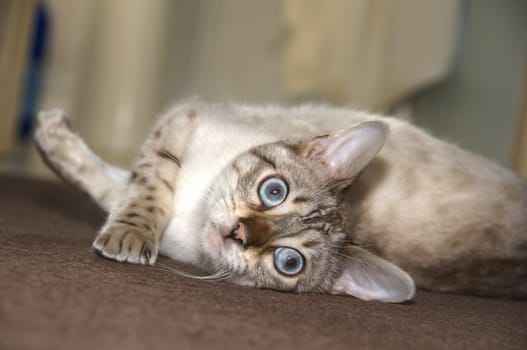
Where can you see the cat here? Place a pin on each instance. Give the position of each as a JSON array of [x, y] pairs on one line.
[[309, 198]]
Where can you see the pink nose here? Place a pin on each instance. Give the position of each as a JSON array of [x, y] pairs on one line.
[[238, 233]]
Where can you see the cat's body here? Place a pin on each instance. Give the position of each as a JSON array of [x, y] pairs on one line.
[[452, 220]]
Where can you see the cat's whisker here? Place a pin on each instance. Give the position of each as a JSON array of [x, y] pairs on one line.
[[220, 275]]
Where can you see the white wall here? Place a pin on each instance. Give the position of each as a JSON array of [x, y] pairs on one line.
[[479, 105]]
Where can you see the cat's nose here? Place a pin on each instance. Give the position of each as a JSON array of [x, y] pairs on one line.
[[239, 234]]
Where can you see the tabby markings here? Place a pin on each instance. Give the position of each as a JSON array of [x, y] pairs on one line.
[[129, 223], [163, 153], [263, 158]]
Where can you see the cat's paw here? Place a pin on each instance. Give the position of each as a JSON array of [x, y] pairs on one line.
[[52, 126], [127, 244], [54, 138]]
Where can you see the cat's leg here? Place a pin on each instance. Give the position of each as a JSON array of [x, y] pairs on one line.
[[70, 158], [134, 227]]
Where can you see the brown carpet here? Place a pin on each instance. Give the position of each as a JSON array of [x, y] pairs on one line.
[[56, 294]]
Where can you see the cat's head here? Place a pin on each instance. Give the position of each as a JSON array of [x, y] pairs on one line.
[[272, 219]]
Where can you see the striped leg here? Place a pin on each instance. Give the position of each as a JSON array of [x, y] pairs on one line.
[[133, 230]]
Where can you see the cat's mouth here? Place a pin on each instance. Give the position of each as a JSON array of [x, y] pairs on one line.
[[226, 252]]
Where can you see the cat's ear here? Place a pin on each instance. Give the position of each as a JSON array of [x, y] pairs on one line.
[[342, 155], [369, 277]]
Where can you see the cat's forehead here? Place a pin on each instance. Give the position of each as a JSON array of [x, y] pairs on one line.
[[273, 155], [279, 158]]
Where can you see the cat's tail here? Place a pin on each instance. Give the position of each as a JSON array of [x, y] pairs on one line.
[[72, 160]]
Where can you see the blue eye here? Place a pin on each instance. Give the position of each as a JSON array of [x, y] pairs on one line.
[[288, 261], [273, 191]]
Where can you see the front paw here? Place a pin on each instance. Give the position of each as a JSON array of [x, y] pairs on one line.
[[127, 244]]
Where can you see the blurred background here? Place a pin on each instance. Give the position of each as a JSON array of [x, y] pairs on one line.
[[458, 68]]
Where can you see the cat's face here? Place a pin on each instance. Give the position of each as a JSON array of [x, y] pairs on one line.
[[271, 219], [273, 222]]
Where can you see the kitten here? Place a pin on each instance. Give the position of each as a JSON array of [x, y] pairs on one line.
[[305, 199]]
